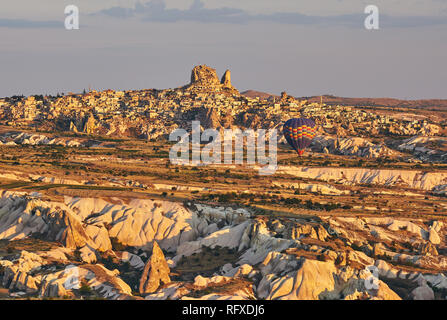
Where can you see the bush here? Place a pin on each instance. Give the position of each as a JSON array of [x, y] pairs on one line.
[[85, 289]]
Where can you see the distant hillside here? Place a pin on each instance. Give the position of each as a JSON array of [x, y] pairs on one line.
[[261, 95], [435, 104]]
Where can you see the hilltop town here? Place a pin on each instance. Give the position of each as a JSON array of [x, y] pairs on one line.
[[149, 114]]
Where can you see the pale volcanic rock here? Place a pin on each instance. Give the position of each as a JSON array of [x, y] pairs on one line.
[[24, 138], [227, 237], [441, 190], [104, 282], [323, 189], [200, 283], [424, 147], [276, 263], [261, 242], [409, 226], [216, 214], [378, 249], [16, 275], [279, 257], [204, 79], [351, 176], [59, 254], [243, 294], [312, 279], [15, 221], [350, 146], [428, 249], [85, 206], [173, 291], [360, 258], [437, 226], [315, 280], [73, 235], [73, 127], [156, 272], [386, 270], [385, 293], [28, 216], [437, 281], [204, 75], [296, 231], [141, 222], [55, 180], [133, 259], [226, 79], [107, 283], [423, 293], [90, 124], [88, 254], [164, 186], [244, 270], [380, 232], [203, 282], [433, 236], [53, 286], [209, 118], [100, 237]]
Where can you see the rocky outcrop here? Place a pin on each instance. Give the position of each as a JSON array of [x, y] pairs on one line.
[[263, 257], [260, 241], [314, 280], [90, 124], [17, 275], [428, 249], [351, 176], [423, 293], [204, 76], [156, 272], [204, 79], [226, 237], [323, 189], [425, 148], [350, 146], [32, 216], [226, 80], [73, 235], [94, 278], [73, 127], [23, 138], [134, 260], [209, 118]]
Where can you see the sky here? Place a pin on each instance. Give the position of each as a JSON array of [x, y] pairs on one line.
[[304, 47]]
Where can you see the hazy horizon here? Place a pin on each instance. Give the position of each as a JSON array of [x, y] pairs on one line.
[[308, 48]]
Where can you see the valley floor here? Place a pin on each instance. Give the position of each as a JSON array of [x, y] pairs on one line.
[[90, 218]]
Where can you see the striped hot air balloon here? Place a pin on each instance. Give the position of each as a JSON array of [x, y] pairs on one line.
[[299, 133]]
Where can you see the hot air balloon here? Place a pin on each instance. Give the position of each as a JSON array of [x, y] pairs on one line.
[[299, 133]]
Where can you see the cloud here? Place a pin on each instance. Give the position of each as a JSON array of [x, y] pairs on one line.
[[156, 11], [412, 21], [29, 24]]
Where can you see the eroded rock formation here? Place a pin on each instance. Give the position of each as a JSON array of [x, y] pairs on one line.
[[156, 272]]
